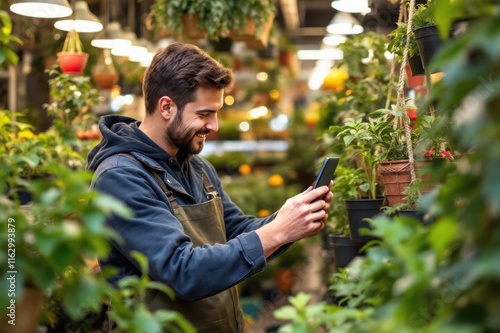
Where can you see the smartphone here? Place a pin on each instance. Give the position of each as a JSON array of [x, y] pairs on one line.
[[325, 174]]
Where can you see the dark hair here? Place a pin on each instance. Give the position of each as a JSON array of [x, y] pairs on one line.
[[178, 70]]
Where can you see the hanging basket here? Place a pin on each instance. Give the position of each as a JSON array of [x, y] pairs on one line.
[[105, 81], [190, 25], [72, 62], [428, 42], [254, 39]]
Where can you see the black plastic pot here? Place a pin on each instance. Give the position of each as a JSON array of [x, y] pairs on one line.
[[421, 216], [345, 250], [416, 65], [358, 210], [428, 43]]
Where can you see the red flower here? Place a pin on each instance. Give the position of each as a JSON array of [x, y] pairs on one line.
[[447, 155], [429, 153]]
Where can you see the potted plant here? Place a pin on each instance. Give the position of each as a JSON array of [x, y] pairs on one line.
[[397, 46], [341, 248], [426, 34], [252, 22], [7, 42], [215, 18], [72, 97], [72, 59], [360, 137]]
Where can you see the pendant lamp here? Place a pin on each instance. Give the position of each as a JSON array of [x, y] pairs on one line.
[[351, 6], [42, 8], [82, 19], [111, 37], [344, 23]]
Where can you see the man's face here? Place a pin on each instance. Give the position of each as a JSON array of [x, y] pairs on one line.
[[189, 129]]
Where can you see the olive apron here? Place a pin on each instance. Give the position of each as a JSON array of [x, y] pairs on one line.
[[204, 224]]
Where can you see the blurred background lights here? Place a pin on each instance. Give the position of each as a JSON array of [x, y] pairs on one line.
[[279, 123], [244, 126], [229, 100], [261, 76]]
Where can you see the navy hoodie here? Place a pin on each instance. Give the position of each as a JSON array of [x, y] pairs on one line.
[[192, 272]]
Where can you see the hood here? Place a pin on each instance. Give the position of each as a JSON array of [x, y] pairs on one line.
[[121, 134]]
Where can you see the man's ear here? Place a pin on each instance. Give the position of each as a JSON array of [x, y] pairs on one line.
[[167, 107]]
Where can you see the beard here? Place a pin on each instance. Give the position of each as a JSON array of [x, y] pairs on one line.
[[183, 137]]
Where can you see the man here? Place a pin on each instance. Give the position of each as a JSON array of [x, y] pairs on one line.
[[196, 239]]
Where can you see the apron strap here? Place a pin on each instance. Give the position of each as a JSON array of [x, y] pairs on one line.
[[168, 193], [212, 193]]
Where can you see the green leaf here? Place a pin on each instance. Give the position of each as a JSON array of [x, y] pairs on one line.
[[300, 300], [145, 320], [286, 312], [442, 234], [142, 260], [162, 287]]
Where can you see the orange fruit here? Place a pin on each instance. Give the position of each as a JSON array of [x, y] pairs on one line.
[[275, 180], [244, 169], [263, 213], [335, 80]]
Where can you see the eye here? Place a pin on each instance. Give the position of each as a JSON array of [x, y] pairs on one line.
[[204, 114]]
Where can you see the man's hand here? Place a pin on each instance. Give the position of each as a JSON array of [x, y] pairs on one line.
[[301, 216]]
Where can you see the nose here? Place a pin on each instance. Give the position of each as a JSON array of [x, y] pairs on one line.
[[213, 123]]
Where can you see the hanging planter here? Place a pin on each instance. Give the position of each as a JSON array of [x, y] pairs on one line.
[[191, 27], [104, 72], [428, 42], [72, 59], [415, 64], [396, 177], [255, 38]]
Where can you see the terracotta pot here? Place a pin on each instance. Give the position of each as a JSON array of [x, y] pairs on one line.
[[285, 279], [191, 30], [396, 177], [250, 35], [72, 62], [105, 81]]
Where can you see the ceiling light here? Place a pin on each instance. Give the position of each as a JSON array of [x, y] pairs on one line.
[[111, 37], [325, 54], [134, 50], [41, 8], [344, 24], [333, 39], [82, 20], [351, 6]]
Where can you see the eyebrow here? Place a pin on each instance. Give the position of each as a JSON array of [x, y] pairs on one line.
[[206, 110]]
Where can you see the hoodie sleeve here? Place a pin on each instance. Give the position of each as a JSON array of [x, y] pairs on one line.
[[192, 272]]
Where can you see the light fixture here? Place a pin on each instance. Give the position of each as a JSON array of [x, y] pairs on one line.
[[82, 19], [134, 50], [111, 37], [351, 6], [344, 24], [333, 39], [324, 54], [42, 8]]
